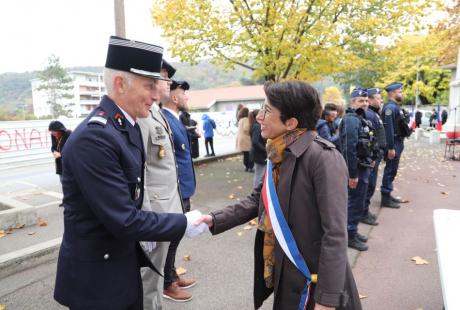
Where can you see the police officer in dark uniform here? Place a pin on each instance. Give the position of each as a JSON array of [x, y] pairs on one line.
[[396, 129], [103, 183], [373, 115], [356, 140]]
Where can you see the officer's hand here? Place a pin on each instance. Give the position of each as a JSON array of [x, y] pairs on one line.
[[391, 154], [321, 307], [206, 218], [352, 183]]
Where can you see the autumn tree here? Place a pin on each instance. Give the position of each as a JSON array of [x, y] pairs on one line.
[[333, 95], [448, 31], [412, 55], [282, 39], [55, 82]]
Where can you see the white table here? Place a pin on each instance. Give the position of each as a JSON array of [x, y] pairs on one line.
[[447, 233]]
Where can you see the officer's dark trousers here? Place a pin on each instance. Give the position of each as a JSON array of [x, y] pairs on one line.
[[356, 198], [371, 186], [170, 268], [391, 168]]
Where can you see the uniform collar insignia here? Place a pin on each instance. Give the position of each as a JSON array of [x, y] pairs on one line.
[[120, 120]]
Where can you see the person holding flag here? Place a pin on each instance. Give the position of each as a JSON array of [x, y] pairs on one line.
[[300, 250]]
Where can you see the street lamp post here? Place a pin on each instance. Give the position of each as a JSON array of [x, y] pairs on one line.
[[120, 18]]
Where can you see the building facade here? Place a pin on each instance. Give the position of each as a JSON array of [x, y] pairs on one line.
[[87, 90]]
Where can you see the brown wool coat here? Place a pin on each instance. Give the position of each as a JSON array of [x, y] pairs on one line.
[[312, 191], [243, 138]]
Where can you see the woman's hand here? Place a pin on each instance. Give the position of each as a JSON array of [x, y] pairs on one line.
[[321, 307], [205, 218]]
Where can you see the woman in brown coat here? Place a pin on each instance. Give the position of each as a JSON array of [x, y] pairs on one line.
[[243, 138], [310, 177]]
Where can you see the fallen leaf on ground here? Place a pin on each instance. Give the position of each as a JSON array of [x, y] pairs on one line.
[[445, 193], [9, 231], [20, 226], [419, 261], [442, 185], [419, 309], [362, 296], [2, 233], [2, 307], [31, 233], [231, 196], [240, 233], [247, 227], [253, 222], [240, 187], [201, 174], [180, 271], [42, 222], [187, 258]]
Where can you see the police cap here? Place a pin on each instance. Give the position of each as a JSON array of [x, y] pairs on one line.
[[359, 92], [167, 66], [135, 57], [179, 84], [373, 91], [393, 86]]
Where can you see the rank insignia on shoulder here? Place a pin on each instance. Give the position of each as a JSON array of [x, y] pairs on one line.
[[98, 119], [388, 112]]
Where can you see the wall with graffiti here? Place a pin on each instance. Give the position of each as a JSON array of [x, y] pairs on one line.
[[30, 141]]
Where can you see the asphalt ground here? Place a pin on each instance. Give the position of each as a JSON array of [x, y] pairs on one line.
[[385, 274], [223, 264]]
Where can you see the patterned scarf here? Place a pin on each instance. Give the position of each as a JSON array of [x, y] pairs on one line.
[[275, 152]]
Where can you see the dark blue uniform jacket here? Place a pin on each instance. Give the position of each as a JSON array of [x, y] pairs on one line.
[[100, 255], [183, 154], [349, 133], [390, 112]]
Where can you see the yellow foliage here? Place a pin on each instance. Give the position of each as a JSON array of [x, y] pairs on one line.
[[283, 39], [333, 95]]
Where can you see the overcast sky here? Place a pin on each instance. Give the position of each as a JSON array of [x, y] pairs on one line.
[[75, 30]]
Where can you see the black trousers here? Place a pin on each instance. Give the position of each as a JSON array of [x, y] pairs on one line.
[[170, 268], [209, 141], [247, 161]]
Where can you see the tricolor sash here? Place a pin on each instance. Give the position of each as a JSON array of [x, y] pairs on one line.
[[283, 233]]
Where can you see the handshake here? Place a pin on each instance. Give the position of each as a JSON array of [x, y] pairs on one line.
[[197, 223]]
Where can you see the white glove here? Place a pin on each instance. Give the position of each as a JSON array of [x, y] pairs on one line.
[[192, 229], [148, 246]]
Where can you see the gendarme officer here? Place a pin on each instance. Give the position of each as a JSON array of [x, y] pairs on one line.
[[396, 130], [373, 115], [356, 139], [103, 184]]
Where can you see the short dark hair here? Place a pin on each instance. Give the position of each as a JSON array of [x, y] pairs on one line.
[[295, 99], [244, 112], [330, 106]]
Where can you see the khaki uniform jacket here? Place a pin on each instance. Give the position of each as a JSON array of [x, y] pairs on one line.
[[312, 192], [161, 182]]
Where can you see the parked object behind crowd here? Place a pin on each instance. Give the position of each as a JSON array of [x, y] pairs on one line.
[[243, 139], [59, 136], [192, 130], [258, 152], [208, 127]]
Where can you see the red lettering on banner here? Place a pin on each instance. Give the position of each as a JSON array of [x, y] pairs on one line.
[[2, 148], [23, 138], [32, 138]]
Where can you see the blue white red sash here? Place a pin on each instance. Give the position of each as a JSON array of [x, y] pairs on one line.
[[283, 233]]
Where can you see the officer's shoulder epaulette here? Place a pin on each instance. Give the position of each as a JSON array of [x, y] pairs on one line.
[[324, 143], [100, 118]]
